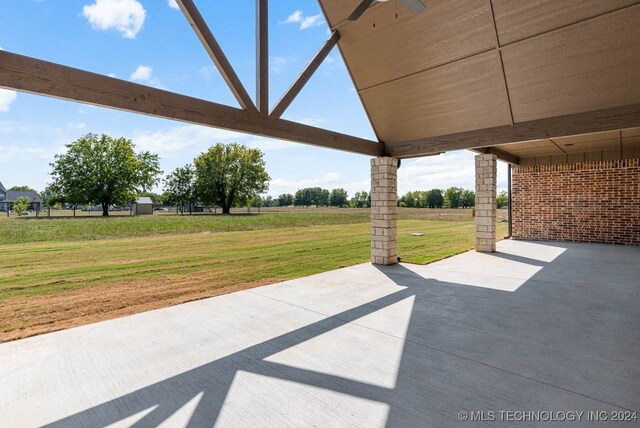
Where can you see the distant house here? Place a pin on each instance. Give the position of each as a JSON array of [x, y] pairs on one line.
[[144, 206], [8, 197]]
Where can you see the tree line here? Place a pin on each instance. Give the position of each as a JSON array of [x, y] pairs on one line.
[[106, 171]]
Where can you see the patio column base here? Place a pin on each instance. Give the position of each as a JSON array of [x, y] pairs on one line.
[[384, 201], [485, 208]]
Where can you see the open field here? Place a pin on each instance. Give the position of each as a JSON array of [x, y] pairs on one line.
[[59, 273]]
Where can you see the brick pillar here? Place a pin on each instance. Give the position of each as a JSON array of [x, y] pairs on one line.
[[486, 203], [384, 201]]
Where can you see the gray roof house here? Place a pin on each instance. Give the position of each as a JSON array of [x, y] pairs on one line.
[[8, 197]]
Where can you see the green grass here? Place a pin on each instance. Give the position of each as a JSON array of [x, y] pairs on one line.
[[158, 260]]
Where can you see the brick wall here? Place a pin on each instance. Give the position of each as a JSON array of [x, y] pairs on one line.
[[583, 202]]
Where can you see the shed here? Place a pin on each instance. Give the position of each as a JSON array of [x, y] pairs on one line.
[[143, 206]]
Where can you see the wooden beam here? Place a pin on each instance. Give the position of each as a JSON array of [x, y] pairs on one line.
[[500, 154], [45, 78], [304, 77], [262, 55], [560, 126], [214, 50]]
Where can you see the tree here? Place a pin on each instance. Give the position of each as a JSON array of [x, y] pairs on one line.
[[21, 204], [322, 197], [285, 200], [338, 198], [103, 170], [23, 189], [468, 199], [360, 200], [302, 198], [453, 197], [502, 200], [49, 198], [179, 186], [435, 198], [230, 174]]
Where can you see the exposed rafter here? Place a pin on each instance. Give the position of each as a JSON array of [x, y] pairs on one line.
[[262, 56], [559, 126], [304, 77], [214, 50], [45, 78]]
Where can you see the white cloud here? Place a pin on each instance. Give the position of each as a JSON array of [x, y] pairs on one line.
[[125, 16], [206, 71], [442, 171], [199, 138], [144, 74], [181, 138], [304, 22], [173, 4], [7, 97], [278, 63], [76, 125], [13, 152]]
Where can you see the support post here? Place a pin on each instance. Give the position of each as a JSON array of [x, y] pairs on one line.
[[485, 208], [262, 56], [384, 201]]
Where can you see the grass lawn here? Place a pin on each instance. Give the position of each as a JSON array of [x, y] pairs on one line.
[[64, 272]]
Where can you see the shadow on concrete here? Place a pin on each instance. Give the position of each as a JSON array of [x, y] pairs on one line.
[[466, 349]]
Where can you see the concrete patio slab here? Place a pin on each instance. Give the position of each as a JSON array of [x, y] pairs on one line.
[[533, 327]]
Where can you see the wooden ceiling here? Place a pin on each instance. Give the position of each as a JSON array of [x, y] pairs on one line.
[[472, 65]]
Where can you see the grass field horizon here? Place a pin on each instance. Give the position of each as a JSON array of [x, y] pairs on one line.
[[59, 273]]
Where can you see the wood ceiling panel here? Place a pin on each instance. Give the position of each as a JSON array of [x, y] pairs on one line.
[[590, 146], [337, 11], [536, 151], [518, 19], [457, 97], [633, 132], [532, 148], [631, 142], [577, 139], [527, 144], [588, 66], [398, 47]]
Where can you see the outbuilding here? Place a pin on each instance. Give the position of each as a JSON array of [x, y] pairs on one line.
[[143, 206]]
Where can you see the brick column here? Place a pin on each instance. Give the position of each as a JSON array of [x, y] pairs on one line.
[[384, 201], [486, 203]]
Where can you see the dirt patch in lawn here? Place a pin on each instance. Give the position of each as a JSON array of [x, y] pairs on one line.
[[29, 316]]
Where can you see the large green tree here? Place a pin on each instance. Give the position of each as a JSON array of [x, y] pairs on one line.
[[179, 187], [468, 198], [360, 200], [285, 200], [23, 189], [435, 198], [230, 174], [453, 197], [338, 198], [103, 170]]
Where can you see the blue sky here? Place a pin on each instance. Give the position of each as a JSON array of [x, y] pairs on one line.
[[150, 42]]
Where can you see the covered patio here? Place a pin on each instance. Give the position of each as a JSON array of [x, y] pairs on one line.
[[532, 327], [548, 87]]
